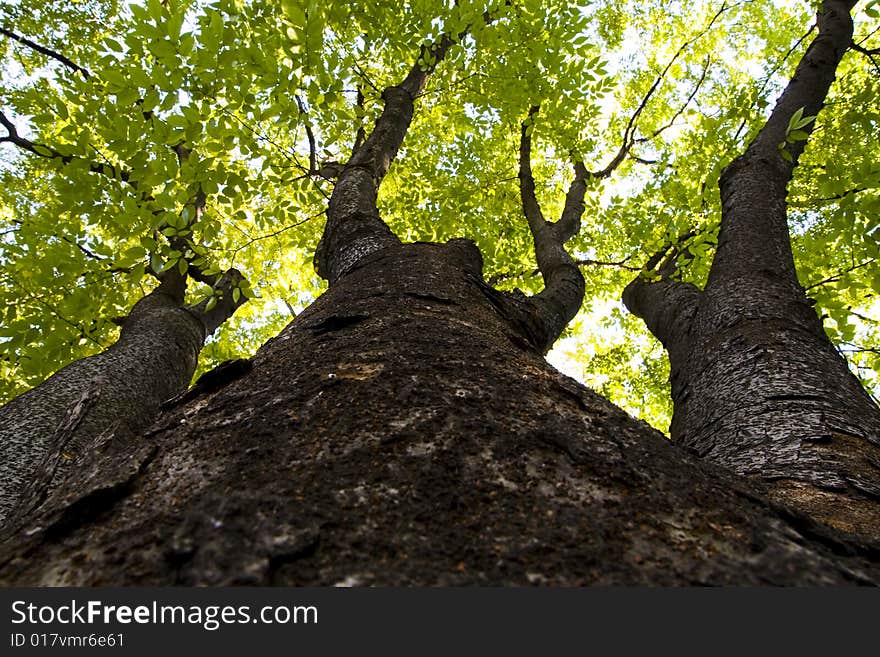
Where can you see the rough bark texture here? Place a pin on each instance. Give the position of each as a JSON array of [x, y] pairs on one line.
[[405, 429], [114, 394], [756, 384], [402, 430]]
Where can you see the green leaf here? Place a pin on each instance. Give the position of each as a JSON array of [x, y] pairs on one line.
[[805, 121], [795, 118]]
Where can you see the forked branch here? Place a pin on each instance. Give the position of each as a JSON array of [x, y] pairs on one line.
[[559, 301]]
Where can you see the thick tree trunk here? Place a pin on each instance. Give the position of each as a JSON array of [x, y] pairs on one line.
[[756, 384], [758, 387], [113, 394], [404, 430]]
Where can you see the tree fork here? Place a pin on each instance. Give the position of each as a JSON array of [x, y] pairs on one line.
[[557, 304]]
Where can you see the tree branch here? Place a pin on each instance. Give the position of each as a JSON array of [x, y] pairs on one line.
[[770, 76], [531, 209], [754, 229], [836, 277], [41, 150], [354, 228], [559, 301], [628, 139], [865, 51], [46, 51], [808, 87], [313, 156]]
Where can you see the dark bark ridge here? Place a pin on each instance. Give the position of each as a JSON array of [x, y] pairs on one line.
[[45, 431], [398, 432], [756, 384]]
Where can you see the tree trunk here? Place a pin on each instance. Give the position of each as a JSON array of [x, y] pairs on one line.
[[404, 430], [756, 384], [113, 394]]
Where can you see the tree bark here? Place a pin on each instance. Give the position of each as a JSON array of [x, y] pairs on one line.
[[112, 395], [756, 384], [403, 431]]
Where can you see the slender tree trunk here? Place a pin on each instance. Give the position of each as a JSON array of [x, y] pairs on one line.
[[403, 430], [113, 394], [756, 384]]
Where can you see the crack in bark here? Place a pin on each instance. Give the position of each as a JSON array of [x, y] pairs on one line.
[[336, 323]]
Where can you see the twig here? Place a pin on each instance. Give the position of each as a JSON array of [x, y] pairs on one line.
[[46, 51]]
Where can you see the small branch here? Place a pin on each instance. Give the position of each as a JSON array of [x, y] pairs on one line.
[[361, 135], [687, 102], [252, 240], [870, 53], [663, 262], [583, 262], [52, 309], [89, 254], [288, 154], [628, 139], [621, 264], [366, 78], [46, 51], [865, 51], [779, 65], [836, 277], [856, 349], [41, 150], [313, 156], [808, 203]]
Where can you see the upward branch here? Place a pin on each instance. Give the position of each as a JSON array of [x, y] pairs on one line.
[[354, 228], [806, 92], [563, 292], [374, 157], [754, 234]]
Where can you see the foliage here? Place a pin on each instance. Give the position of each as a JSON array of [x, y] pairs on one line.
[[267, 95]]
